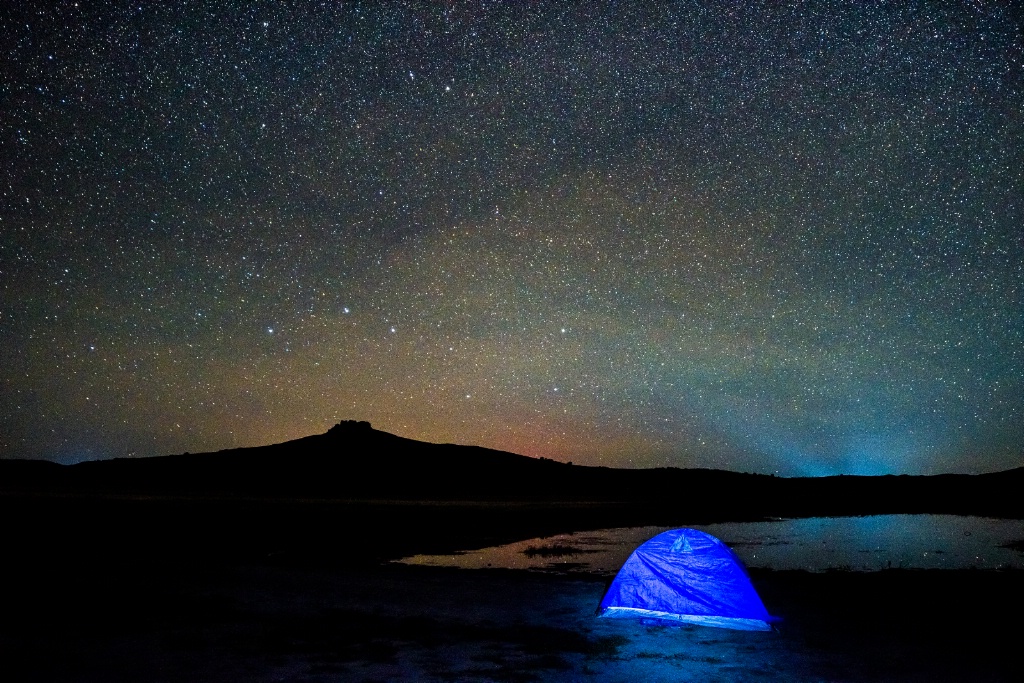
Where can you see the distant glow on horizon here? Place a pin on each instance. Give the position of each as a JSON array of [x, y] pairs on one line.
[[628, 234]]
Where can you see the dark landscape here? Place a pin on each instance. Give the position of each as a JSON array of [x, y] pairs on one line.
[[354, 462], [268, 564]]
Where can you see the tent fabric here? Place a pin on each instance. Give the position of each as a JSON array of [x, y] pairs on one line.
[[685, 575]]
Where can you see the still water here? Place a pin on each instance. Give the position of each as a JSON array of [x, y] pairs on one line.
[[814, 544]]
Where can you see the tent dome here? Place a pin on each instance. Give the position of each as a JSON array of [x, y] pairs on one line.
[[685, 575]]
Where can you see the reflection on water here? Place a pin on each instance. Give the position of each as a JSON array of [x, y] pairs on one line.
[[815, 544]]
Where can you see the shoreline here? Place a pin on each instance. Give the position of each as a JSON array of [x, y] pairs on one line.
[[186, 590]]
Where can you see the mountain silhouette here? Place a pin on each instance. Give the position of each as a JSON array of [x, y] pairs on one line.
[[356, 462]]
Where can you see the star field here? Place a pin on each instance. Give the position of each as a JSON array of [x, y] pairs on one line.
[[698, 234]]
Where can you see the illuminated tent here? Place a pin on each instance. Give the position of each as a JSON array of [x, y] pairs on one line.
[[685, 575]]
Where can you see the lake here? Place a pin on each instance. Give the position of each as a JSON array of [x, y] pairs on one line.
[[814, 544]]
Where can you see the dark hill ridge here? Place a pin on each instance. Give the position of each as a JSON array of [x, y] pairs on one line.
[[354, 461]]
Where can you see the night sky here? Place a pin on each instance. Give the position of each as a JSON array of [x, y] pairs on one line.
[[772, 237]]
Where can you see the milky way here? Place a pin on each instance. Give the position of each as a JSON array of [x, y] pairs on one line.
[[699, 234]]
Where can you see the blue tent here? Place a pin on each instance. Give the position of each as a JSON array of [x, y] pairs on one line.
[[686, 575]]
